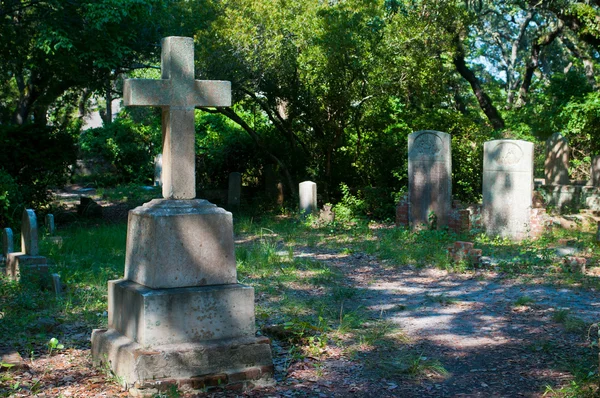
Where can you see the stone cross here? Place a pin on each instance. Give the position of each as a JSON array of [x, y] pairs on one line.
[[178, 93], [29, 233]]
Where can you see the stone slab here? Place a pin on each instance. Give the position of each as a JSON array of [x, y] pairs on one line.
[[308, 197], [180, 243], [507, 188], [153, 317], [20, 263], [29, 233], [8, 242], [429, 177], [137, 365], [556, 164]]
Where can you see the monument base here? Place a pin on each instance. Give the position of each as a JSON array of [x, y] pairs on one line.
[[233, 364], [30, 266]]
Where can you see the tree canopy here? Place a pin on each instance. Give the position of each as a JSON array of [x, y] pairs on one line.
[[326, 91]]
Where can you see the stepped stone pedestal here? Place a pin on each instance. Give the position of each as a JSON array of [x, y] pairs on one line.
[[179, 317]]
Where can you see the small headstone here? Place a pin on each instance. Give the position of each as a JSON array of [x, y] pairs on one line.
[[507, 188], [29, 233], [308, 198], [595, 171], [8, 242], [158, 170], [429, 178], [57, 286], [50, 224], [556, 165], [235, 189], [28, 263]]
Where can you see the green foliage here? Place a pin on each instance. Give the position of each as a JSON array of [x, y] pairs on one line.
[[128, 148], [34, 158], [11, 200]]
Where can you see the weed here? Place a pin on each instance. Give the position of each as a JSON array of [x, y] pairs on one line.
[[54, 345], [523, 301], [441, 299]]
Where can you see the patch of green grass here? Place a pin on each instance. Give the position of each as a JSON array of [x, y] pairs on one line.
[[441, 299], [571, 323], [523, 301]]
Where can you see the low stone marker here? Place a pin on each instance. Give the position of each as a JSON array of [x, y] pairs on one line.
[[308, 198], [158, 170], [595, 171], [234, 193], [8, 242], [50, 227], [27, 261], [179, 317], [57, 285], [429, 178], [556, 165], [507, 188]]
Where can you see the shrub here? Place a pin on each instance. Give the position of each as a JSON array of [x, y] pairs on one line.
[[127, 147], [33, 158]]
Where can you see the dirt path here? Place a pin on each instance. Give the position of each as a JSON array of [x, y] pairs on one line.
[[470, 324], [464, 324]]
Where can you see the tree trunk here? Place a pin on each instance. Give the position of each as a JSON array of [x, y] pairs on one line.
[[484, 100]]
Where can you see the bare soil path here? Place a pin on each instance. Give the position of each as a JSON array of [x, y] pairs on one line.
[[473, 340]]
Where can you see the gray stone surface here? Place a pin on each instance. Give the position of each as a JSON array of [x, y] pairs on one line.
[[136, 364], [308, 197], [178, 94], [234, 194], [57, 285], [8, 242], [29, 233], [158, 170], [556, 164], [154, 317], [507, 188], [595, 171], [429, 177], [50, 227], [180, 243]]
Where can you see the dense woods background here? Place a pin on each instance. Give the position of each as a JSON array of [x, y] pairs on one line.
[[326, 91]]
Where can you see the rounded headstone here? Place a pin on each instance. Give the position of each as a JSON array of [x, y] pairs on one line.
[[29, 233], [7, 242]]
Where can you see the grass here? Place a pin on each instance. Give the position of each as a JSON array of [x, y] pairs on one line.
[[309, 300]]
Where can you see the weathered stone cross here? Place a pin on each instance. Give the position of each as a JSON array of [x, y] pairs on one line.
[[178, 93]]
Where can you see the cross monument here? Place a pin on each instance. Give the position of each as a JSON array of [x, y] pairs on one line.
[[178, 315], [178, 93]]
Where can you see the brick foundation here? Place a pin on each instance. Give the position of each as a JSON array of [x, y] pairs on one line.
[[464, 251]]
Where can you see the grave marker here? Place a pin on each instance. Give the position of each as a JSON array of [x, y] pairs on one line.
[[556, 164], [50, 224], [179, 314], [27, 261], [8, 242], [429, 178], [507, 188], [595, 171], [235, 189], [158, 170], [308, 198]]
